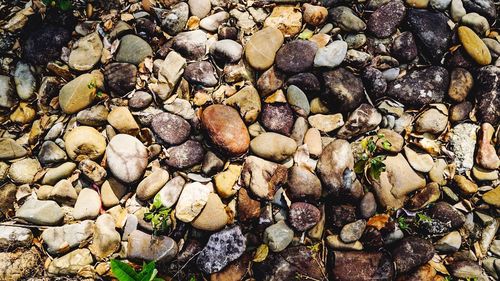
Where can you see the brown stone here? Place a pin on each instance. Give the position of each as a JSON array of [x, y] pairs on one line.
[[360, 266], [248, 208]]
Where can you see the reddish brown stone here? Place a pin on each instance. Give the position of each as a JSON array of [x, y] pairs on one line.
[[226, 129], [248, 208], [360, 266]]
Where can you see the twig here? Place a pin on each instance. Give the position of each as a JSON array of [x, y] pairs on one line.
[[185, 264]]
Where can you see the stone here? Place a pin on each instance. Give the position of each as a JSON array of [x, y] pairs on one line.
[[432, 31], [363, 119], [174, 20], [53, 175], [63, 193], [331, 55], [326, 123], [211, 164], [440, 5], [111, 192], [466, 186], [262, 46], [487, 95], [171, 128], [296, 56], [421, 162], [457, 10], [120, 77], [88, 205], [140, 100], [248, 209], [396, 182], [262, 177], [226, 180], [181, 107], [86, 52], [193, 198], [10, 149], [150, 185], [7, 198], [96, 115], [24, 171], [354, 265], [386, 19], [212, 22], [312, 139], [482, 174], [277, 117], [222, 248], [461, 82], [7, 99], [199, 8], [231, 137], [334, 242], [336, 159], [420, 87], [423, 197], [227, 51], [127, 158], [23, 114], [314, 15], [443, 212], [344, 90], [145, 247], [492, 197], [213, 217], [404, 47], [60, 240], [171, 191], [474, 46], [45, 43], [466, 269], [190, 44], [122, 120], [346, 19], [412, 252], [75, 262], [270, 81], [40, 212], [84, 142], [298, 100], [106, 239], [278, 236], [352, 232], [12, 237], [307, 82], [395, 140], [483, 7], [303, 216], [25, 81], [133, 49], [433, 120], [286, 18], [247, 100], [273, 146], [476, 22], [185, 155], [201, 73], [79, 93], [302, 184], [463, 144], [367, 205], [449, 243]]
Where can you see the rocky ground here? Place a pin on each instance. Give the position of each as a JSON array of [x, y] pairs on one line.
[[250, 140]]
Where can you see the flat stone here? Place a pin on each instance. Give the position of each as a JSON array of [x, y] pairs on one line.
[[488, 97], [286, 18], [133, 49], [273, 146], [191, 44], [9, 149], [127, 158], [262, 46], [222, 248], [296, 56], [24, 171], [40, 212], [142, 246], [106, 239], [120, 77], [336, 158], [79, 93], [278, 236], [303, 216], [87, 205], [354, 265], [412, 252], [74, 262], [193, 198], [331, 55], [213, 217], [170, 192], [150, 185], [386, 19], [262, 177], [86, 52], [62, 239], [344, 90], [25, 80], [12, 237]]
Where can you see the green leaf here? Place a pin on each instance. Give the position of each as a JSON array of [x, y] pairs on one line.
[[123, 271], [359, 167], [386, 144], [402, 223], [423, 218], [146, 271], [192, 278], [65, 5], [371, 146]]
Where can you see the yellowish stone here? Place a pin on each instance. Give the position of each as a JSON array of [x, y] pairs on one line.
[[492, 197], [286, 18], [474, 46], [23, 114], [225, 181], [420, 4]]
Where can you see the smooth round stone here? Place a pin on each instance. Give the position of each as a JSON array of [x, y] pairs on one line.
[[171, 191], [307, 82], [302, 184], [122, 120], [84, 141], [86, 52], [352, 231], [53, 175], [24, 171], [277, 117], [433, 120], [142, 246], [346, 19], [171, 128], [227, 51], [50, 152], [344, 90], [404, 47], [314, 15], [273, 146], [77, 94], [312, 139], [226, 129], [173, 20], [62, 239], [106, 240], [200, 8], [386, 19], [492, 197], [474, 46], [111, 192], [303, 216], [202, 73], [331, 55], [87, 205], [278, 236], [149, 186], [127, 158], [185, 155], [466, 186], [461, 82], [457, 10], [10, 149], [140, 100], [39, 212], [367, 205], [213, 22], [298, 100], [262, 46], [25, 80], [213, 217], [133, 49], [96, 115], [120, 77], [296, 56], [190, 44], [421, 162]]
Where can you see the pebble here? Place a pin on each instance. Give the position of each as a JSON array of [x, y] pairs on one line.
[[127, 158], [461, 82], [425, 196], [86, 52], [213, 217], [262, 46], [363, 119], [336, 158], [193, 198], [286, 18], [62, 239], [40, 212], [312, 139], [375, 265], [262, 177], [346, 19], [273, 146], [84, 142], [212, 22], [79, 93], [45, 43], [25, 81], [96, 115], [174, 20], [74, 262], [466, 186], [53, 175], [386, 19], [120, 77], [485, 8], [314, 15], [185, 155], [63, 193], [142, 246], [140, 100], [440, 5], [326, 123], [412, 252], [226, 180], [488, 99], [106, 239], [222, 248], [296, 56], [451, 242], [492, 197], [302, 184], [10, 149], [24, 171], [476, 22], [151, 184], [87, 205], [278, 236], [227, 51], [303, 216], [111, 192], [12, 237], [247, 100], [331, 55], [368, 205], [201, 73], [122, 120], [343, 90], [231, 137], [133, 49], [277, 117], [457, 10], [7, 99], [171, 128], [352, 232], [474, 46], [463, 143], [446, 214], [404, 47]]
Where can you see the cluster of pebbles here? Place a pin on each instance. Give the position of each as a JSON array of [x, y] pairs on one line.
[[248, 120]]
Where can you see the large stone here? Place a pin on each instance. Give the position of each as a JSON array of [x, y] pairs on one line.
[[12, 237], [77, 262], [133, 49], [142, 246], [10, 149], [127, 158], [363, 119], [120, 77], [344, 90], [40, 212], [185, 155], [84, 142], [88, 204], [171, 191], [303, 184], [25, 81], [247, 100], [262, 177], [261, 49], [190, 44], [286, 18], [226, 129], [487, 83], [386, 19], [150, 185], [360, 266], [79, 93], [64, 238], [222, 248], [45, 43], [277, 117], [24, 171], [474, 46], [86, 52], [174, 20], [335, 161]]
